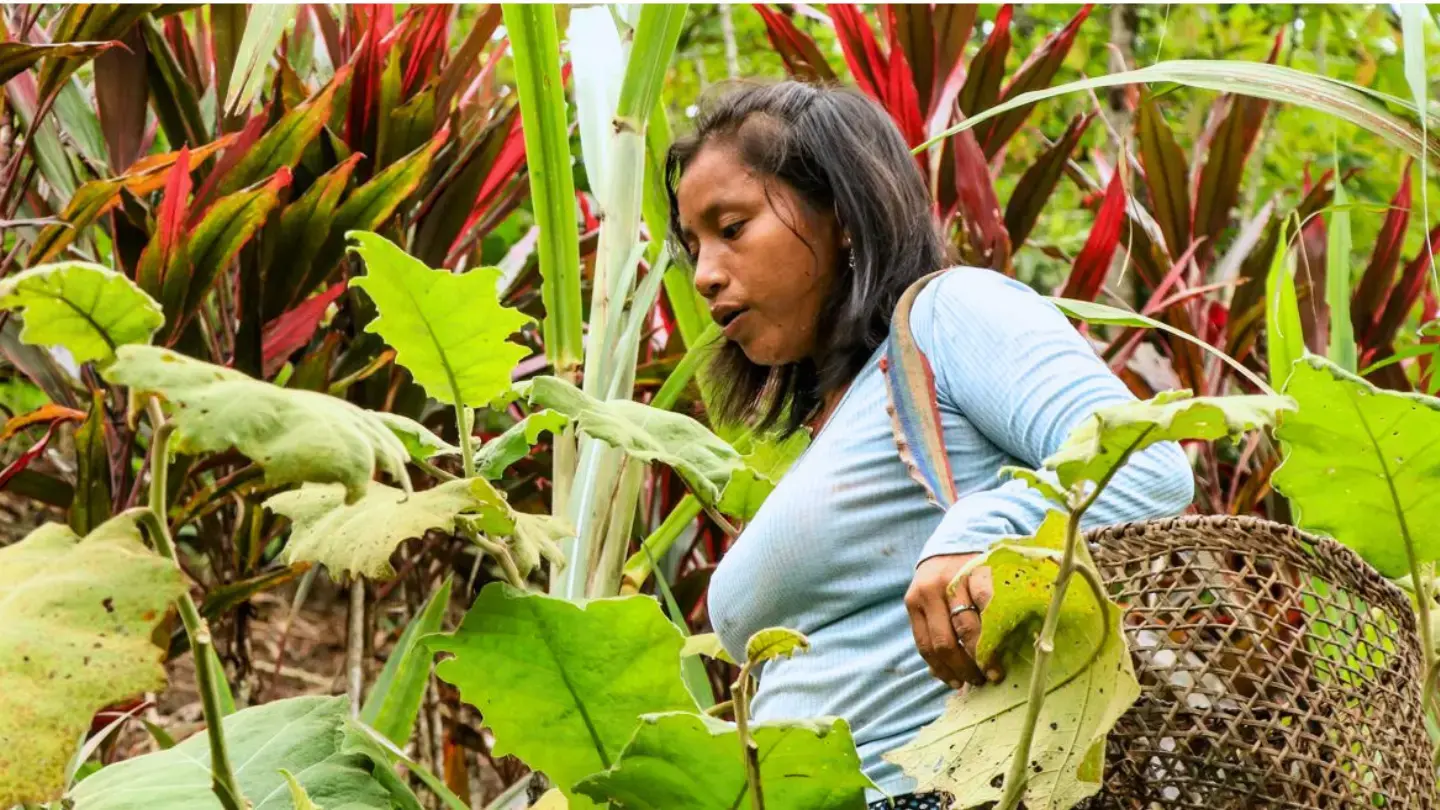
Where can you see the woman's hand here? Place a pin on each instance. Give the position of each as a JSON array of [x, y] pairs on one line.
[[947, 625]]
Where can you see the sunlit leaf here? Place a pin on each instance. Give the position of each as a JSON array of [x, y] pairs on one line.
[[264, 26], [296, 436], [774, 642], [1284, 332], [77, 618], [88, 309], [1108, 437], [562, 686], [515, 443], [706, 644], [303, 735], [1090, 683], [1358, 467], [678, 759], [450, 331]]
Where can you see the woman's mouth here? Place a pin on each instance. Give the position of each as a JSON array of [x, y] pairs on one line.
[[733, 322]]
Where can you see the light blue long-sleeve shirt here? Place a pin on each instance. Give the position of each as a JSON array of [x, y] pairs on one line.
[[833, 550]]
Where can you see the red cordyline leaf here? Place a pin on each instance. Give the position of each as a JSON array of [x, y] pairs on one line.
[[292, 330], [987, 68], [1033, 74], [862, 53], [901, 98], [170, 226], [987, 244], [1091, 266], [245, 139], [423, 47], [1374, 287], [591, 223], [375, 22], [801, 56], [509, 161], [1405, 293], [13, 468]]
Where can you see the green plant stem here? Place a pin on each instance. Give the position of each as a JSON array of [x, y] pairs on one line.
[[1422, 616], [641, 564], [467, 451], [1017, 777], [751, 753], [222, 775]]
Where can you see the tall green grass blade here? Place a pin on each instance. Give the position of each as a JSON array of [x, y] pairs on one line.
[[1357, 105], [1337, 277], [394, 702], [1412, 33], [1285, 337], [535, 46], [263, 29]]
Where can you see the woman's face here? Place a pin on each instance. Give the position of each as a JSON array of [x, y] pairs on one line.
[[765, 285]]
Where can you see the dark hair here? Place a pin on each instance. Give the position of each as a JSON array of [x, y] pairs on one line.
[[838, 149]]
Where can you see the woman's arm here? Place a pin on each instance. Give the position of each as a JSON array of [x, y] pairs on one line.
[[1010, 362]]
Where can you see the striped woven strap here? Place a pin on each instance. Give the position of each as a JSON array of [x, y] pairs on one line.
[[914, 412]]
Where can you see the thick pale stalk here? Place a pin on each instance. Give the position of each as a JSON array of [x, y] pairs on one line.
[[535, 44], [222, 775], [640, 565], [355, 649], [606, 578]]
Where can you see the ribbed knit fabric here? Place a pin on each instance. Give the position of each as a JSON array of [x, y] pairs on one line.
[[833, 550]]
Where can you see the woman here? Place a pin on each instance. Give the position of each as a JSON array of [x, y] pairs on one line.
[[804, 216]]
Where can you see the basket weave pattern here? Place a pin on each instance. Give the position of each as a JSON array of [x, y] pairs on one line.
[[1276, 668]]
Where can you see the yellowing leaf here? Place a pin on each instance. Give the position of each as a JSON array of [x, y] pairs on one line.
[[448, 330], [359, 538], [1090, 683], [77, 619], [88, 309], [296, 436], [706, 644], [1103, 441], [702, 459], [1359, 464], [774, 642]]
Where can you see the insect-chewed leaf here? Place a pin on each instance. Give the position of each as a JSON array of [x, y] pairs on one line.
[[1356, 466], [678, 759], [448, 330], [706, 644], [76, 624], [704, 460], [296, 436], [1090, 683], [88, 309], [774, 642], [1106, 439], [358, 538], [561, 684], [515, 443], [419, 441], [306, 736], [765, 462]]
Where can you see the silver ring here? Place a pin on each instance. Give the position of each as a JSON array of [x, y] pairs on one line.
[[958, 609]]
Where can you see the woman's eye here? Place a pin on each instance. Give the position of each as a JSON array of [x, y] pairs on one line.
[[732, 231]]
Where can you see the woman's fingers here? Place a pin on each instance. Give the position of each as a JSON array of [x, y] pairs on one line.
[[955, 657], [976, 589], [930, 620]]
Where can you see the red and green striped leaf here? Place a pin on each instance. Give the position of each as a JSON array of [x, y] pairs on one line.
[[910, 29], [987, 69], [1036, 72], [292, 330], [797, 50], [18, 57], [986, 241], [1039, 181], [1166, 177], [1366, 306], [868, 66], [305, 226], [165, 261], [85, 24], [284, 144], [1087, 275]]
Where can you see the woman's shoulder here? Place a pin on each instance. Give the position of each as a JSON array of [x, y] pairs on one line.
[[976, 298]]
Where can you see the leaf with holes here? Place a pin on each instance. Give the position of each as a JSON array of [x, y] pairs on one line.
[[77, 620], [296, 436], [687, 760], [560, 684], [450, 331], [1357, 466], [1090, 683], [306, 736], [84, 307], [1107, 438]]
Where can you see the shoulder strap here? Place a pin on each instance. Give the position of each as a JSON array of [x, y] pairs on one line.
[[914, 412]]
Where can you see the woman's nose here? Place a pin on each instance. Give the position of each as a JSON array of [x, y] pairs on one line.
[[709, 278]]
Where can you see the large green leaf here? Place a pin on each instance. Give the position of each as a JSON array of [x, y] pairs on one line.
[[765, 464], [692, 761], [562, 686], [448, 330], [705, 461], [303, 735], [1089, 684], [1103, 441], [394, 701], [77, 619], [88, 309], [359, 538], [296, 436], [1359, 464]]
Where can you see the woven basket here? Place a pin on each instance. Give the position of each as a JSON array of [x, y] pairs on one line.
[[1277, 670]]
